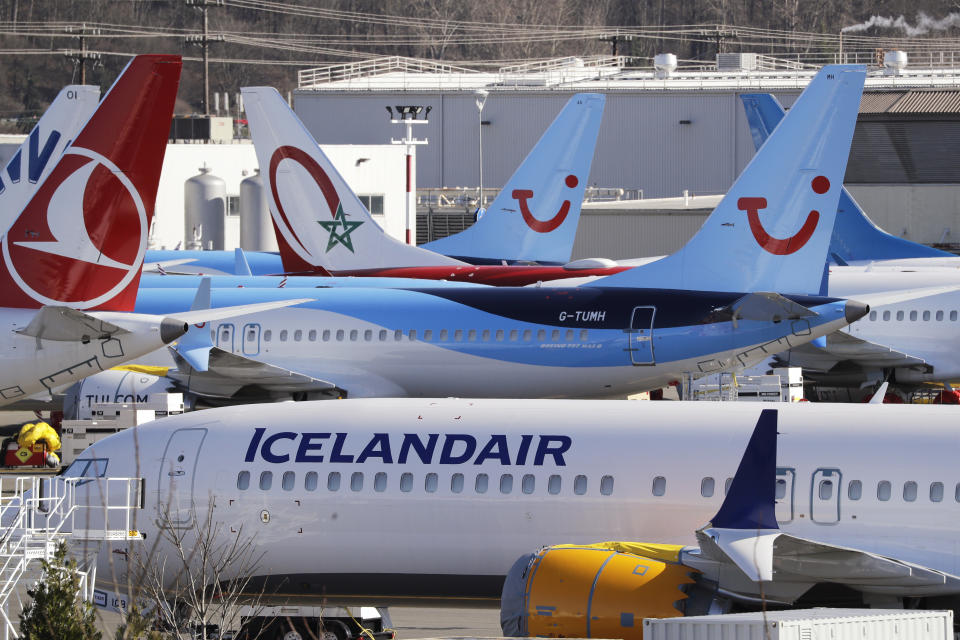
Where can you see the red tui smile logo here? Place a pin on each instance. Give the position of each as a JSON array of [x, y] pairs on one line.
[[543, 226], [782, 246]]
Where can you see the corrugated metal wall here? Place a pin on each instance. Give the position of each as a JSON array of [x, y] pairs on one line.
[[621, 235]]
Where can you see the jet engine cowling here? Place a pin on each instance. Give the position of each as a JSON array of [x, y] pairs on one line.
[[593, 591]]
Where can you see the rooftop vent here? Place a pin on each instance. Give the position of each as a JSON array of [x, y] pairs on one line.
[[736, 62], [664, 64], [894, 62]]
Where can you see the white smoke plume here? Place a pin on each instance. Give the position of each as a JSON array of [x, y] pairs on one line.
[[925, 24]]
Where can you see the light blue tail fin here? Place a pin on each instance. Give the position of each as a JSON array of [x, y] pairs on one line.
[[772, 229], [535, 215], [855, 236]]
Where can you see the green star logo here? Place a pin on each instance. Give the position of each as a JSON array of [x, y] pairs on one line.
[[343, 237]]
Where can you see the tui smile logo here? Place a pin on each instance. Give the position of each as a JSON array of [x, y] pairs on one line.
[[782, 246], [543, 226], [343, 237]]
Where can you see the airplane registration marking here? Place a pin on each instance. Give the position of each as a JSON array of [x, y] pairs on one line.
[[583, 316]]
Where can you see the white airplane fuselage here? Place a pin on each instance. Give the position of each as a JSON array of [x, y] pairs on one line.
[[393, 500]]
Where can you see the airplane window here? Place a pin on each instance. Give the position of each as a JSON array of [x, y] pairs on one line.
[[333, 481], [514, 334], [953, 316], [412, 334], [726, 485], [527, 335], [580, 485], [555, 335], [956, 493], [458, 335], [506, 483], [499, 335], [659, 486], [428, 335], [826, 489], [340, 335], [926, 316], [266, 480], [913, 316], [251, 335], [87, 468], [430, 483], [456, 483], [398, 335], [481, 484], [283, 335], [707, 487], [406, 482], [899, 315], [356, 481], [541, 335], [243, 480], [368, 335], [485, 336], [298, 335], [939, 316], [380, 481], [936, 491], [886, 315], [606, 485], [528, 483], [472, 335], [354, 334], [383, 335], [854, 489], [226, 335], [288, 480], [267, 335], [310, 481], [553, 486], [569, 337], [312, 336], [583, 335], [326, 335], [443, 335], [883, 491], [781, 489], [873, 316], [910, 491]]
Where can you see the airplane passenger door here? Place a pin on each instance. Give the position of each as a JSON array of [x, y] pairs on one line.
[[784, 494], [225, 337], [175, 484], [640, 336], [825, 496], [251, 339]]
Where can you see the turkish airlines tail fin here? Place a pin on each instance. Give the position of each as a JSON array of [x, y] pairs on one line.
[[772, 229], [320, 222], [855, 236], [38, 154], [81, 238], [535, 215]]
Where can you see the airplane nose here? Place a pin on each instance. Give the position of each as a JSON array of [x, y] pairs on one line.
[[854, 310], [171, 329]]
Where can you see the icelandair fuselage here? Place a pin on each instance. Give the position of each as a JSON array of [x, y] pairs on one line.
[[505, 342], [402, 500]]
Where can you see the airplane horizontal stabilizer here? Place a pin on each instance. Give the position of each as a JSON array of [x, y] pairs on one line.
[[765, 306], [67, 325]]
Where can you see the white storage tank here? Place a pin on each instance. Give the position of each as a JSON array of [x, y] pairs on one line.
[[256, 226], [205, 211]]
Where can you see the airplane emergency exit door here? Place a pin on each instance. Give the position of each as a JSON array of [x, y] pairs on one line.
[[640, 336]]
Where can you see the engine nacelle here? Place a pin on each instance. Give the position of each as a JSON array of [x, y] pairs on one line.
[[592, 591], [112, 385]]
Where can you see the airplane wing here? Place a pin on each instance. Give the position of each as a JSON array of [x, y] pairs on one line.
[[54, 322], [843, 347]]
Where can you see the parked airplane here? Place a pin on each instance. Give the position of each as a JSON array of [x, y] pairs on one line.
[[417, 501], [71, 259]]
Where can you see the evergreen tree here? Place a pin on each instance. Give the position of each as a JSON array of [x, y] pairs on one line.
[[57, 612]]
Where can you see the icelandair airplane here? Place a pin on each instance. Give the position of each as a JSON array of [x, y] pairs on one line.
[[71, 259], [389, 501]]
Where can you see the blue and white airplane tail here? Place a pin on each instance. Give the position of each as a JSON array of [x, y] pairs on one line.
[[535, 215], [319, 220], [38, 154], [855, 236], [772, 229]]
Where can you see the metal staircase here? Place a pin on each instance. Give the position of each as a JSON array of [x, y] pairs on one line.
[[38, 513]]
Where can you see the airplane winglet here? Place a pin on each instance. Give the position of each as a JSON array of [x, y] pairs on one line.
[[240, 265], [750, 502]]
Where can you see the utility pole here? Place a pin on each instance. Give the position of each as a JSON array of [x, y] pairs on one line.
[[614, 39], [82, 55], [204, 41]]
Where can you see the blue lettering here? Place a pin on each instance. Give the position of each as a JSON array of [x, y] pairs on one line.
[[307, 445], [39, 159], [469, 446], [524, 448], [378, 447], [424, 451], [254, 443], [495, 449], [557, 449], [269, 455], [335, 455], [13, 167]]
